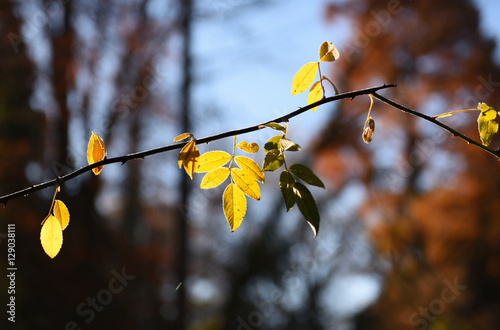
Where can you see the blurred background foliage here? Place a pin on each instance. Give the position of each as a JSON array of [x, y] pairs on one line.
[[410, 226]]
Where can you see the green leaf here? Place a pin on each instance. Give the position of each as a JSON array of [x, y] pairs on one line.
[[287, 182], [273, 143], [251, 148], [276, 126], [328, 52], [289, 145], [211, 160], [307, 206], [304, 77], [315, 94], [486, 126], [307, 175], [246, 182], [250, 166], [274, 160], [214, 178], [234, 205]]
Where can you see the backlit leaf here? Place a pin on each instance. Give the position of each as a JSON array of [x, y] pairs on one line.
[[96, 151], [189, 157], [182, 137], [211, 160], [273, 143], [234, 205], [304, 77], [61, 213], [214, 178], [328, 52], [287, 182], [289, 145], [250, 166], [274, 160], [276, 126], [246, 182], [486, 126], [305, 174], [307, 206], [315, 94], [51, 236], [251, 148]]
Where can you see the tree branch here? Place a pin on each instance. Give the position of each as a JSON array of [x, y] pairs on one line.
[[393, 104], [141, 155]]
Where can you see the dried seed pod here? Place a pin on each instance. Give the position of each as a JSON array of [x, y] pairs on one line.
[[369, 129]]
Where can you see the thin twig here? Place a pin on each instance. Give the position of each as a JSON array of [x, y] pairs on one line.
[[495, 153], [141, 155]]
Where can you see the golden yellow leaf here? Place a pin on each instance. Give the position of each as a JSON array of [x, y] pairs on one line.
[[234, 205], [250, 166], [189, 157], [251, 148], [304, 77], [246, 182], [96, 151], [328, 52], [61, 213], [51, 236], [315, 94], [182, 137], [211, 160], [214, 178]]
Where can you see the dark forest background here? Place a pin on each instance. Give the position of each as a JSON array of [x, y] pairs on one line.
[[410, 233]]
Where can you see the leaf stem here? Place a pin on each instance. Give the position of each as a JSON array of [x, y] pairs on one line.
[[447, 114], [369, 111]]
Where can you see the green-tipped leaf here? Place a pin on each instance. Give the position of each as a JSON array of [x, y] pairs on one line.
[[307, 206], [306, 174], [274, 160], [287, 182], [276, 126], [273, 143]]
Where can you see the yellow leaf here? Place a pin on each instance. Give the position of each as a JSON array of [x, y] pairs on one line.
[[61, 213], [211, 160], [315, 94], [234, 205], [51, 236], [96, 151], [189, 157], [214, 178], [328, 52], [251, 167], [246, 182], [304, 77], [182, 137], [251, 148]]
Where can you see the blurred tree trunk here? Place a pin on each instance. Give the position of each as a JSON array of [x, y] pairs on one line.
[[185, 184]]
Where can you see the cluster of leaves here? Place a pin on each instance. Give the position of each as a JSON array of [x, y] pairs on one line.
[[306, 74], [247, 174], [294, 192], [486, 125], [244, 178], [51, 234]]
